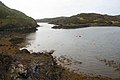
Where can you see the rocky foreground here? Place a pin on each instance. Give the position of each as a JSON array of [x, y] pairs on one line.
[[18, 64]]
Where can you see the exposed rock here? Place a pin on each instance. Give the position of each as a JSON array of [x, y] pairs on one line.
[[25, 51], [64, 60], [111, 63], [51, 52]]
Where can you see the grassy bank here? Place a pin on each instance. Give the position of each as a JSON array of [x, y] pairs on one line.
[[14, 20]]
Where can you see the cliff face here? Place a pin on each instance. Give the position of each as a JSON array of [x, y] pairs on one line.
[[11, 19]]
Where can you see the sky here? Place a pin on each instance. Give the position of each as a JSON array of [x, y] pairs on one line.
[[54, 8]]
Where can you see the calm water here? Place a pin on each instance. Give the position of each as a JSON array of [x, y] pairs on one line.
[[83, 44]]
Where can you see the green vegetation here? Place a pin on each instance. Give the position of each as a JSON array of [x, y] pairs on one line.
[[11, 19], [83, 20]]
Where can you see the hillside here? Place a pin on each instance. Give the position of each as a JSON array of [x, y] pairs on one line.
[[50, 19], [85, 20], [13, 20]]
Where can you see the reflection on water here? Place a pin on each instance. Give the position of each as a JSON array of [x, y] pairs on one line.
[[84, 44]]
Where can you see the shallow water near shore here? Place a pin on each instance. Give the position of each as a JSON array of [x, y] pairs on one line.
[[83, 44]]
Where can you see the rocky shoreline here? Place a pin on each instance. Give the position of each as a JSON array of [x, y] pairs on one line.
[[70, 26], [75, 26], [18, 64]]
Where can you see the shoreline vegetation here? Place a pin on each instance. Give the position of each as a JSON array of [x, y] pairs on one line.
[[83, 20], [16, 64]]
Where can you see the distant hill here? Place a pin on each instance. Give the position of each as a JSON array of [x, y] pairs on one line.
[[11, 19], [50, 19], [84, 20]]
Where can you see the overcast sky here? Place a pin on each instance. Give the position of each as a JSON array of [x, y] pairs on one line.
[[53, 8]]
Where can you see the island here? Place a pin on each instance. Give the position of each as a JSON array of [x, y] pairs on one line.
[[83, 20]]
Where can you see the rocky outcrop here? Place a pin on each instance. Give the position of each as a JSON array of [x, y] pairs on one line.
[[39, 67]]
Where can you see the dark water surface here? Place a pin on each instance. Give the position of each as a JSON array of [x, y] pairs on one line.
[[83, 44]]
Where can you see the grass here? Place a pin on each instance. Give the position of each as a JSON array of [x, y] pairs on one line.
[[11, 18]]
